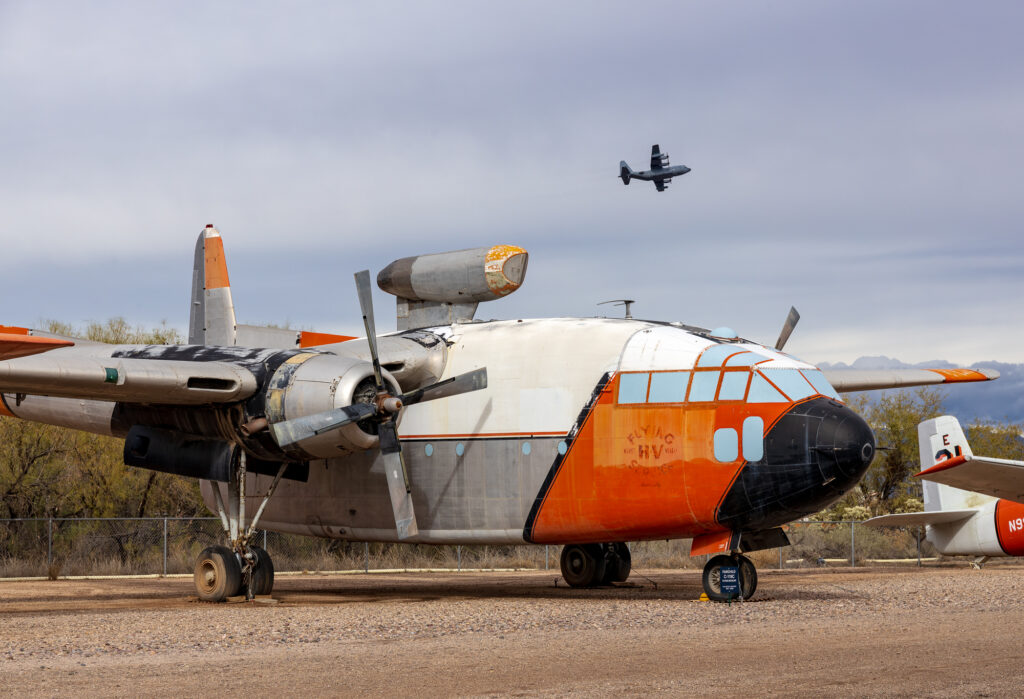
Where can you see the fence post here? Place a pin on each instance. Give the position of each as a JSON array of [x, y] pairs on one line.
[[919, 547], [458, 551], [545, 556], [853, 544], [165, 547], [366, 556], [264, 539], [49, 544], [780, 558]]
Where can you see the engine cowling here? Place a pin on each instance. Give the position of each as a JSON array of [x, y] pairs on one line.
[[307, 384]]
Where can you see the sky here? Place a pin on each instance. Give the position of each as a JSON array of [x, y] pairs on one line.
[[860, 161]]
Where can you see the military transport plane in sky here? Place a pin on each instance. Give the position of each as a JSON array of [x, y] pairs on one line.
[[587, 432], [974, 505], [661, 173]]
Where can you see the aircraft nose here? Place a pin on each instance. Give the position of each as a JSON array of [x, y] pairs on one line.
[[813, 455]]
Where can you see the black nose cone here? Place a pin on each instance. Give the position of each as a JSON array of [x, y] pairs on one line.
[[813, 455]]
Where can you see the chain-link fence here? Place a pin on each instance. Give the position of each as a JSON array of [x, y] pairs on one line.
[[166, 545]]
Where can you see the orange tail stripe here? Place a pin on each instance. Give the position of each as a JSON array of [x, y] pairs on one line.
[[216, 265]]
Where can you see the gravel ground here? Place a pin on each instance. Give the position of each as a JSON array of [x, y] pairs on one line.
[[946, 631]]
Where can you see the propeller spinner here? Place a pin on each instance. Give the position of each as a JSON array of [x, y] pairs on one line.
[[384, 411]]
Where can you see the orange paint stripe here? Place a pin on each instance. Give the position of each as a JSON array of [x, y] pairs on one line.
[[484, 435], [216, 265], [960, 375], [13, 345], [311, 339], [12, 330], [943, 465]]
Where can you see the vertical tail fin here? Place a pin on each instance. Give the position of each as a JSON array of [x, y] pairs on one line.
[[212, 318], [625, 171], [941, 439]]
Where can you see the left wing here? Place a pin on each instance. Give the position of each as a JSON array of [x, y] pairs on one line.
[[849, 380], [658, 159], [662, 183], [16, 344]]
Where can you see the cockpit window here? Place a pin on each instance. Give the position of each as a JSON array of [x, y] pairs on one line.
[[791, 382], [668, 386], [734, 385], [703, 387], [763, 392], [820, 383], [714, 356], [744, 359], [633, 388]]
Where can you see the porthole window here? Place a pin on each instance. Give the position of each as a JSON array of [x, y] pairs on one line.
[[429, 450], [526, 448], [726, 445], [753, 439], [460, 449], [563, 447]]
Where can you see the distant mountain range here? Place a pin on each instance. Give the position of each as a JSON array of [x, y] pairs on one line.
[[1001, 400]]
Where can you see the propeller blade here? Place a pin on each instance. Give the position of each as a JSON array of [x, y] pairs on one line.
[[787, 329], [463, 383], [366, 306], [292, 431], [398, 481]]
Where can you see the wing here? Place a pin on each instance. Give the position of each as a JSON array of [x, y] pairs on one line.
[[662, 183], [849, 380], [21, 344], [1000, 478], [658, 159], [917, 519], [73, 372]]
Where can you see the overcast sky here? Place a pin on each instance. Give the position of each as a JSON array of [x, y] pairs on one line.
[[861, 161]]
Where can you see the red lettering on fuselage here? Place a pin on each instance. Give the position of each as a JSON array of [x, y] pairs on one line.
[[1010, 527]]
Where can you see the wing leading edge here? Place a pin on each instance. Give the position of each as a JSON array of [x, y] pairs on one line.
[[851, 380]]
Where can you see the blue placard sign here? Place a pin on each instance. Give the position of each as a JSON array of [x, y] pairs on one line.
[[729, 581]]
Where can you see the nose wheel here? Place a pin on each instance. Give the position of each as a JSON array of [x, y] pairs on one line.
[[712, 578]]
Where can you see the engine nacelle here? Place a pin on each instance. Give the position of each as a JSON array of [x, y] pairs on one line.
[[463, 276], [308, 383]]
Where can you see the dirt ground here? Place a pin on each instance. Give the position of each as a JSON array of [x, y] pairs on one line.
[[935, 631]]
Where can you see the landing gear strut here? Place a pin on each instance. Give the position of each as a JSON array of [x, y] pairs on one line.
[[591, 565], [242, 568], [712, 577]]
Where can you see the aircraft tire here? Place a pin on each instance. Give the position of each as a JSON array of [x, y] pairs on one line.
[[583, 565], [217, 574], [263, 573], [618, 563], [748, 576]]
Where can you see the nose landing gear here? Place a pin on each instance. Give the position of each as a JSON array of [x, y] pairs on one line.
[[592, 565], [712, 578]]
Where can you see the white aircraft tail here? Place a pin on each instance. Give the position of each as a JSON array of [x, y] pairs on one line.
[[942, 439], [212, 317]]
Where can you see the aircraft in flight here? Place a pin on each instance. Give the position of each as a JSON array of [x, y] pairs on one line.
[[661, 173], [586, 432], [974, 505]]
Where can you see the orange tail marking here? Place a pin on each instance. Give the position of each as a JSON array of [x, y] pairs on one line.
[[14, 345], [311, 339], [216, 265]]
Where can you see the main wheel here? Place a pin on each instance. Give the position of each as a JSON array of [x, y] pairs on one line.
[[263, 573], [583, 565], [618, 563], [748, 576], [712, 578], [217, 574]]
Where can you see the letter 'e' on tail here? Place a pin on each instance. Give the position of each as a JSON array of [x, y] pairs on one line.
[[624, 171], [941, 439]]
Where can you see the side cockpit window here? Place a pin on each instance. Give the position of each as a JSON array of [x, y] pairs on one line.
[[668, 386], [633, 388]]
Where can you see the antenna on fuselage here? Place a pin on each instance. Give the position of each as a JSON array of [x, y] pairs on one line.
[[621, 302]]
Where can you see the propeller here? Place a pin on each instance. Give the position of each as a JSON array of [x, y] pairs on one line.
[[384, 410], [787, 328]]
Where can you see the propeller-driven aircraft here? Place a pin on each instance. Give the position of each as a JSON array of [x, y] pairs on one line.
[[587, 432], [974, 505], [661, 173]]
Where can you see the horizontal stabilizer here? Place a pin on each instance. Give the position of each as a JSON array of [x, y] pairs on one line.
[[14, 345], [848, 380], [918, 519], [999, 478]]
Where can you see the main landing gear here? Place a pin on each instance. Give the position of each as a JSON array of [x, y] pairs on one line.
[[712, 577], [242, 568], [591, 565]]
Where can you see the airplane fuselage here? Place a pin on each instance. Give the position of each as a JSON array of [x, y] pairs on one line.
[[664, 173], [590, 430]]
